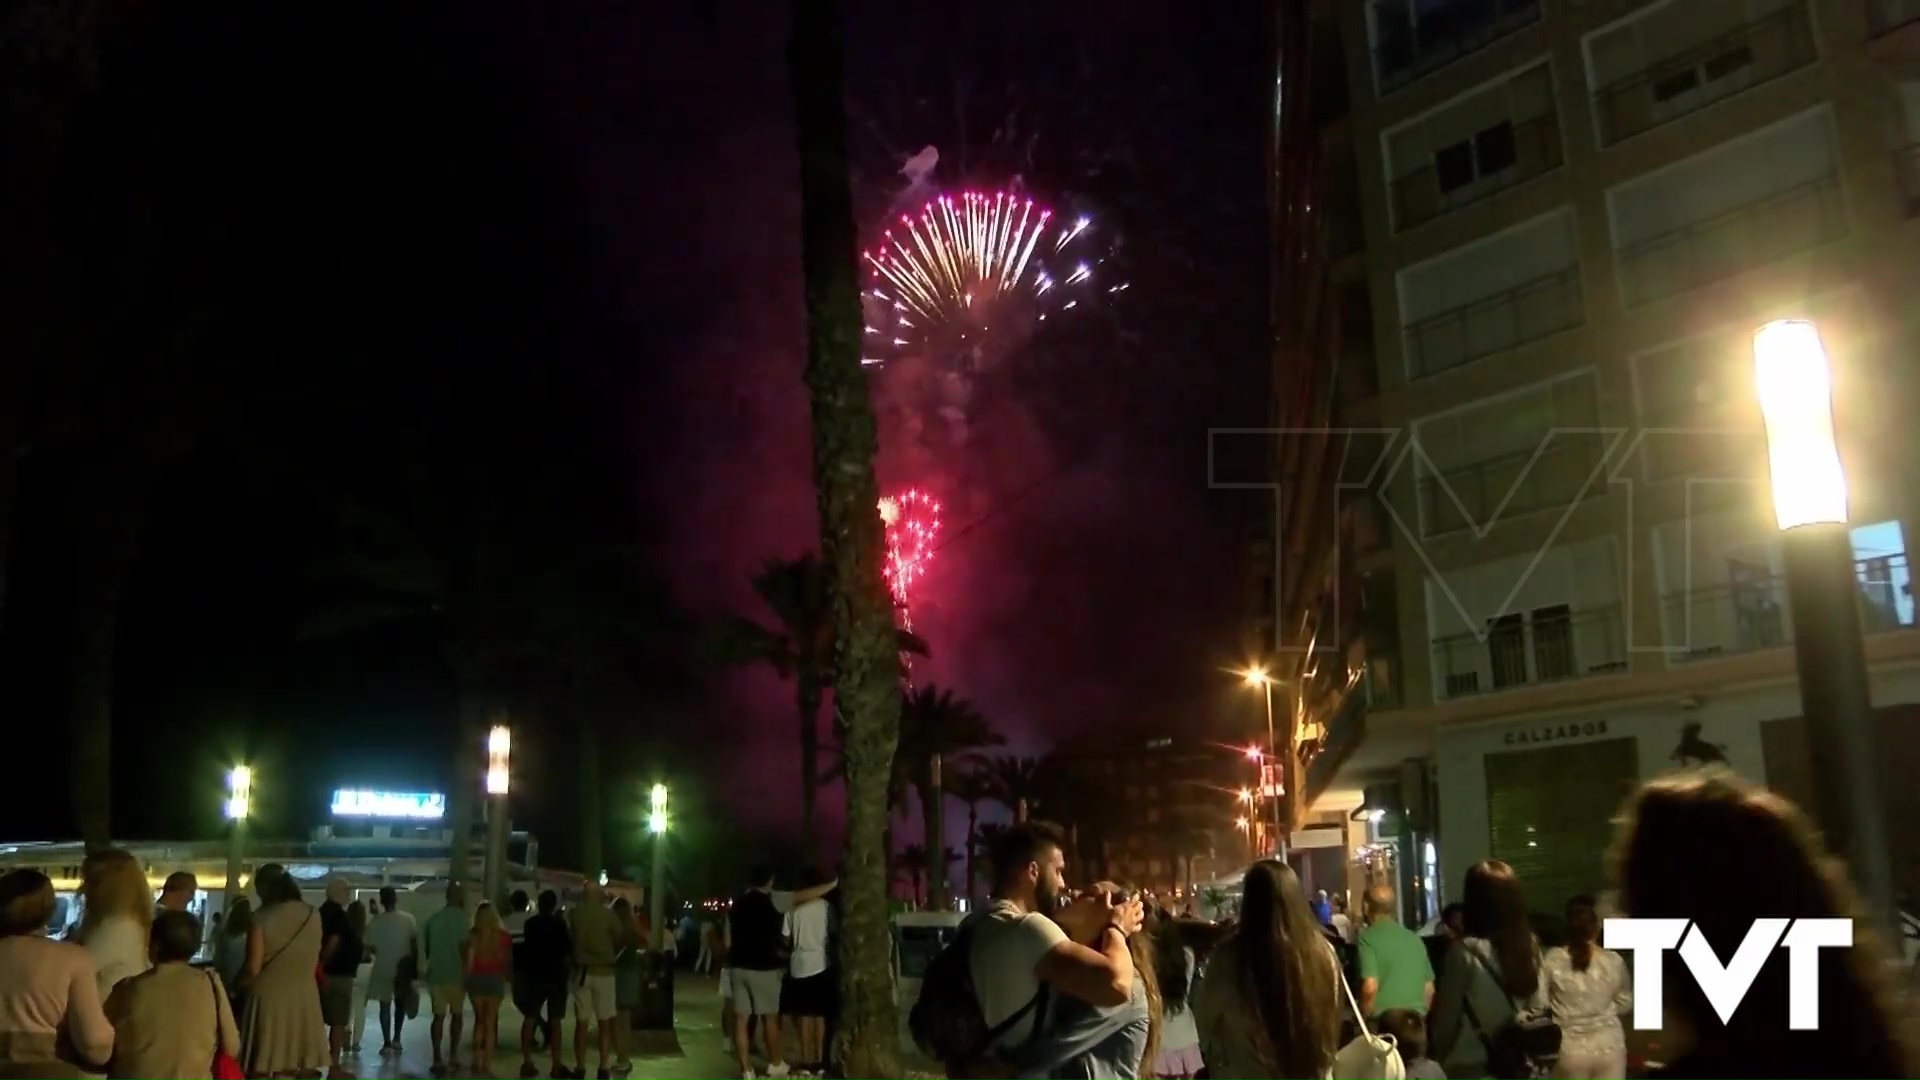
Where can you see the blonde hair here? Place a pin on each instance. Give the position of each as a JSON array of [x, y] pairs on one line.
[[115, 884], [1141, 946], [485, 935]]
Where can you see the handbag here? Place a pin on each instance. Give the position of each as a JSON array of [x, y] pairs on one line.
[[225, 1065], [1526, 1047], [1368, 1056]]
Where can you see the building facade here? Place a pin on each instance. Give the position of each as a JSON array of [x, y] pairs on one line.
[[1564, 221]]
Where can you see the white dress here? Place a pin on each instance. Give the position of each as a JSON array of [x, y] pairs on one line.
[[1588, 1004]]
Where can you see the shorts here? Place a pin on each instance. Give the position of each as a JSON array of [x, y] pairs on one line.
[[809, 996], [593, 997], [757, 993], [448, 998], [540, 995], [726, 984], [486, 985], [380, 985], [336, 1000]]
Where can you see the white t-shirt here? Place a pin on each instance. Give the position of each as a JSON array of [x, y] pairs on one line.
[[515, 924], [119, 950], [1007, 945], [392, 935], [806, 925], [1343, 926]]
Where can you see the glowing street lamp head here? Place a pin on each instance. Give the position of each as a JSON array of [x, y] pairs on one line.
[[239, 793], [1255, 676], [657, 810], [499, 752], [1253, 753], [1246, 795], [1795, 386], [1240, 823]]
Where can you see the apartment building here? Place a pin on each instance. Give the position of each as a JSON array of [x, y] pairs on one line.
[[1555, 225]]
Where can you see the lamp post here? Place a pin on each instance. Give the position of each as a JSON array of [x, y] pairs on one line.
[[657, 825], [499, 754], [1810, 506], [239, 805], [1269, 768]]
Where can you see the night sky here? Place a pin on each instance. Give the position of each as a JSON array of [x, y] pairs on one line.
[[543, 270]]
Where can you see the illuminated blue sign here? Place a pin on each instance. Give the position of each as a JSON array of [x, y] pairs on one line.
[[389, 804]]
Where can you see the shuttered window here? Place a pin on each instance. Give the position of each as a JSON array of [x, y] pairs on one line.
[[1550, 815]]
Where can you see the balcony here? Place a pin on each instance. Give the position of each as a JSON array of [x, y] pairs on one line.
[[1766, 230], [1547, 645], [1748, 55], [1886, 16], [1527, 312], [1500, 157], [1906, 178], [1406, 49], [1476, 496], [1752, 614]]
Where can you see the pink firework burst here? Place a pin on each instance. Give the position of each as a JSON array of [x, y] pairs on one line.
[[912, 519]]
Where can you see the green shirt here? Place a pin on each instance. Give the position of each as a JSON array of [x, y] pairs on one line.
[[1395, 958], [596, 938], [445, 932]]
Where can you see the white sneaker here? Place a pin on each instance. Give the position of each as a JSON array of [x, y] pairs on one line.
[[779, 1072], [748, 1075]]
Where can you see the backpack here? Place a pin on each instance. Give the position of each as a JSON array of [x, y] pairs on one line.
[[1525, 1046], [947, 1022]]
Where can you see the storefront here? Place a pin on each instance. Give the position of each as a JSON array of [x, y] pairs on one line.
[[1541, 794]]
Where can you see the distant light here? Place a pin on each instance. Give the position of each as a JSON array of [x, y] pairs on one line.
[[499, 751], [1240, 823], [1254, 676], [239, 793], [603, 877], [657, 810], [1253, 753], [1246, 795], [1795, 385], [389, 804]]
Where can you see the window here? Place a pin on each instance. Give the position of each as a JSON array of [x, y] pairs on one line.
[[1674, 85], [1514, 287], [1678, 56], [1487, 140], [1453, 166], [1494, 149]]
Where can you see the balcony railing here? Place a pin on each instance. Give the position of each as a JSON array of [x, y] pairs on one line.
[[1404, 49], [1472, 496], [1752, 614], [1540, 648], [1732, 242], [1906, 177], [1744, 57], [1527, 312], [1418, 198]]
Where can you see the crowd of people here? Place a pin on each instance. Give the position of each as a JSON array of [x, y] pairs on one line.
[[285, 995], [1045, 983]]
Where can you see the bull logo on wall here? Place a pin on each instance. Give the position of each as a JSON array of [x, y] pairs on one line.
[[1695, 751]]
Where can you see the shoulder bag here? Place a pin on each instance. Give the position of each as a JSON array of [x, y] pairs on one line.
[[1368, 1056], [225, 1066], [1524, 1047]]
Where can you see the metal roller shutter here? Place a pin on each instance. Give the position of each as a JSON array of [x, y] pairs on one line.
[[1550, 815]]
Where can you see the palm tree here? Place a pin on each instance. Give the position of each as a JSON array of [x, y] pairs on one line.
[[852, 540], [1015, 783], [799, 646], [934, 722], [972, 786], [913, 863]]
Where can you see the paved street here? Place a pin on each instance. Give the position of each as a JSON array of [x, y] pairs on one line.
[[698, 1055]]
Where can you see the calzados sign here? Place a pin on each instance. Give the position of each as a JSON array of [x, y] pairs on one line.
[[1726, 985]]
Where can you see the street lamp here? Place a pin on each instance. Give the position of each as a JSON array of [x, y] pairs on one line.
[[239, 805], [1270, 768], [499, 756], [1795, 387], [657, 825]]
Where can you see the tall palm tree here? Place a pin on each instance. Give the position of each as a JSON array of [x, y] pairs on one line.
[[934, 722], [1015, 783], [971, 785], [798, 645], [852, 540]]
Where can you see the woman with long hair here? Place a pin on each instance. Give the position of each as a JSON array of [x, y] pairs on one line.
[[51, 1023], [118, 917], [489, 954], [1710, 847], [1175, 966], [282, 1032], [1589, 989], [1116, 1042], [1272, 1006], [1488, 978]]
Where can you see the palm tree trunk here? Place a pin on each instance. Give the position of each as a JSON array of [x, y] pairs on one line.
[[973, 845], [110, 516], [809, 762], [866, 656], [932, 802], [592, 857]]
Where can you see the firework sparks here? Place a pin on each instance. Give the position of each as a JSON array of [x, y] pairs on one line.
[[912, 519], [961, 260]]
